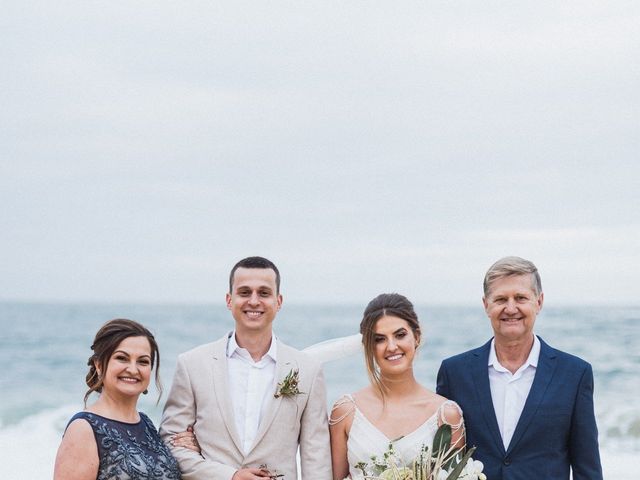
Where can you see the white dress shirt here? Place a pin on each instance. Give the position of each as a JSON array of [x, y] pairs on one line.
[[509, 391], [250, 385]]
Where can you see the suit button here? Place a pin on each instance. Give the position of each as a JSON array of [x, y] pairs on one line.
[[507, 461]]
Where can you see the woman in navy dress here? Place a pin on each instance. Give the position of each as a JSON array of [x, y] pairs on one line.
[[111, 440]]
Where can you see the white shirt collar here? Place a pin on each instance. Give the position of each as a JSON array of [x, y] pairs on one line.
[[532, 359], [232, 347]]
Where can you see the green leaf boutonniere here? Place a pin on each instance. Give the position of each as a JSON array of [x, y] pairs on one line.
[[288, 387]]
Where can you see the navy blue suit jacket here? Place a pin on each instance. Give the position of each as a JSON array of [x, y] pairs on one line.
[[556, 430]]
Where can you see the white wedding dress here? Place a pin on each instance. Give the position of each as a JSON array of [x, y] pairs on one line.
[[365, 440]]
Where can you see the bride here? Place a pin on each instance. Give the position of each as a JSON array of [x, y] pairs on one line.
[[394, 409]]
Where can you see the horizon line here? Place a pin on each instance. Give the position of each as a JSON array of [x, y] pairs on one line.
[[352, 303]]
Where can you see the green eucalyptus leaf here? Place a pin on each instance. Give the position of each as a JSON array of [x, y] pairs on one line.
[[455, 473], [441, 440]]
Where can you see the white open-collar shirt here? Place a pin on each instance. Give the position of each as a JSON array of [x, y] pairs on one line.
[[509, 391], [250, 385]]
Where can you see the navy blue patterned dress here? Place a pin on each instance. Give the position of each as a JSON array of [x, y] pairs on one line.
[[130, 451]]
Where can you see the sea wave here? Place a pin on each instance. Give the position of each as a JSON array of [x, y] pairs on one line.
[[619, 428], [28, 448], [45, 388]]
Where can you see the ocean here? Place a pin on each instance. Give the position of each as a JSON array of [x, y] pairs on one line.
[[45, 347]]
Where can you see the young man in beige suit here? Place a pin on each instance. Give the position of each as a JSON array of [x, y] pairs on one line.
[[252, 400]]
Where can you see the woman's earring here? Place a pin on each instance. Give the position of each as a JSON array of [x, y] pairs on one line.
[[145, 391]]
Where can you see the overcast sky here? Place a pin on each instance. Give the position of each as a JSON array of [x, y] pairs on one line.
[[363, 146]]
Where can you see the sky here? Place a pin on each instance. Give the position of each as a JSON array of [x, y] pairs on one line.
[[364, 147]]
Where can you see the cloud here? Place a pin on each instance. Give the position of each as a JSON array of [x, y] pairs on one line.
[[145, 147]]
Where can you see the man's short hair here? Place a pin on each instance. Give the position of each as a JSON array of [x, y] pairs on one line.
[[509, 266], [255, 262]]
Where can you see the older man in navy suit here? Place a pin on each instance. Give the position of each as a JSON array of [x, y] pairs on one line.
[[528, 407]]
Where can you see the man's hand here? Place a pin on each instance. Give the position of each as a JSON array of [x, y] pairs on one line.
[[251, 474]]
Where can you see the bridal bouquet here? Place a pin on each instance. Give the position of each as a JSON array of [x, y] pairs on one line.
[[441, 461]]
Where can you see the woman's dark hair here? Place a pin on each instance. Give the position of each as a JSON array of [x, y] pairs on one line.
[[110, 335], [392, 304]]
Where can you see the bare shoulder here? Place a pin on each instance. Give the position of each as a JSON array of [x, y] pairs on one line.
[[77, 457], [450, 411], [342, 412], [366, 396], [345, 406], [79, 429]]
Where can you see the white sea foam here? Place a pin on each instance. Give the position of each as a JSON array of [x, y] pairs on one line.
[[28, 449], [44, 389], [619, 465], [619, 427]]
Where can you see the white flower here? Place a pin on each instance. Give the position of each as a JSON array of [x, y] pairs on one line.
[[473, 470], [402, 473], [391, 466], [442, 475]]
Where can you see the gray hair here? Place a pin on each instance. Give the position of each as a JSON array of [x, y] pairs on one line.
[[509, 266]]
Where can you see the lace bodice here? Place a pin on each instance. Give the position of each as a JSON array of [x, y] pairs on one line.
[[365, 440], [130, 451]]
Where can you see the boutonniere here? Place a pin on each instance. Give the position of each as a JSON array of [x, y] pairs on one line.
[[288, 387]]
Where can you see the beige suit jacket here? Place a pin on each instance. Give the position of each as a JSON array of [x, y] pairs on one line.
[[199, 396]]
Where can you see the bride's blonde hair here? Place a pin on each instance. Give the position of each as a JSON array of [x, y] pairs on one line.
[[384, 304]]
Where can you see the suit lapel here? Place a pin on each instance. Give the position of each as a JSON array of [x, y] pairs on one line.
[[221, 390], [480, 372], [284, 364], [544, 373]]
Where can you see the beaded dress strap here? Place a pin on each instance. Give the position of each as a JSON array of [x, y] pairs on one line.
[[442, 419], [350, 407]]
